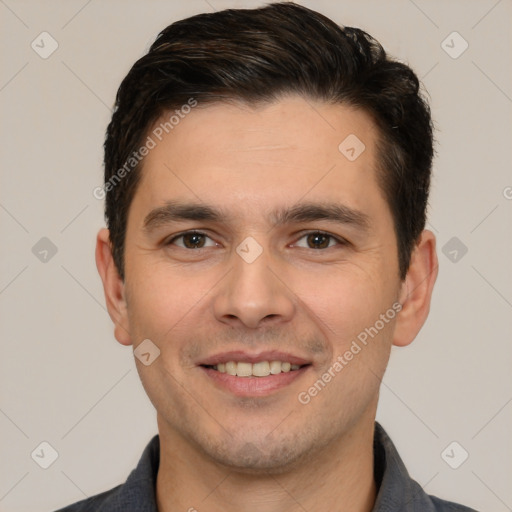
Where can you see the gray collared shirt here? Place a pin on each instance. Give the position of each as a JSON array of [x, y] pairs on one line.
[[398, 492]]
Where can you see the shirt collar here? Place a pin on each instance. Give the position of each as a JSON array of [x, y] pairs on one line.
[[397, 491]]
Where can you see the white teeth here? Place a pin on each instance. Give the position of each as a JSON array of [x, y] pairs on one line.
[[231, 368], [260, 369], [244, 369], [275, 367]]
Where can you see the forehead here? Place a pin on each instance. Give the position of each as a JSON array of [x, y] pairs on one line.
[[244, 157]]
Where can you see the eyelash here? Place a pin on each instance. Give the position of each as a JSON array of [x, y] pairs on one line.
[[340, 241]]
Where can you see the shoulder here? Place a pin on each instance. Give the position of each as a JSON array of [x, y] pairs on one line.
[[397, 490], [137, 494]]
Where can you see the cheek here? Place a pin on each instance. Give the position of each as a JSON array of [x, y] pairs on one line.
[[345, 300], [160, 301]]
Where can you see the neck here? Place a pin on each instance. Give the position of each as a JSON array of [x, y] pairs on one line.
[[338, 477]]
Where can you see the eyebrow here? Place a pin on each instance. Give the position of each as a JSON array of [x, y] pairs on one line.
[[174, 211]]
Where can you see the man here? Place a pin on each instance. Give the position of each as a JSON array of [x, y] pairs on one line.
[[266, 184]]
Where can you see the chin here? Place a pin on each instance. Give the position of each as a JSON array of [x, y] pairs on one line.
[[261, 457]]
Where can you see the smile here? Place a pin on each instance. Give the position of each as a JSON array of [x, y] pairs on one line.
[[258, 369]]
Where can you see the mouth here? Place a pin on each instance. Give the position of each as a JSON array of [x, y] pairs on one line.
[[247, 375], [258, 369]]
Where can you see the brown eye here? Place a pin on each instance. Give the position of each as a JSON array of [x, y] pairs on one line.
[[192, 240], [318, 240]]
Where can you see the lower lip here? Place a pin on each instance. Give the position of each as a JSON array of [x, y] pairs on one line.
[[254, 386]]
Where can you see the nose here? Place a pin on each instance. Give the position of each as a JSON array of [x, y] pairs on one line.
[[254, 294]]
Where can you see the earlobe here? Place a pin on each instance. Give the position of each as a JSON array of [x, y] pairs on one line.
[[416, 291], [113, 287]]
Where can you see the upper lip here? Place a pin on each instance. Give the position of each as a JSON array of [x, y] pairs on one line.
[[247, 357]]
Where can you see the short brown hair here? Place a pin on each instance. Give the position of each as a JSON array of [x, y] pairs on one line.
[[256, 56]]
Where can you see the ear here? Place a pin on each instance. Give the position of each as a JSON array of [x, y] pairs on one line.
[[113, 287], [416, 290]]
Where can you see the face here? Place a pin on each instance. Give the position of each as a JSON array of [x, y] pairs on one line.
[[254, 244]]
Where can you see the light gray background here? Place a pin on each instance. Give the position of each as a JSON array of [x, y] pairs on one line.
[[65, 380]]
